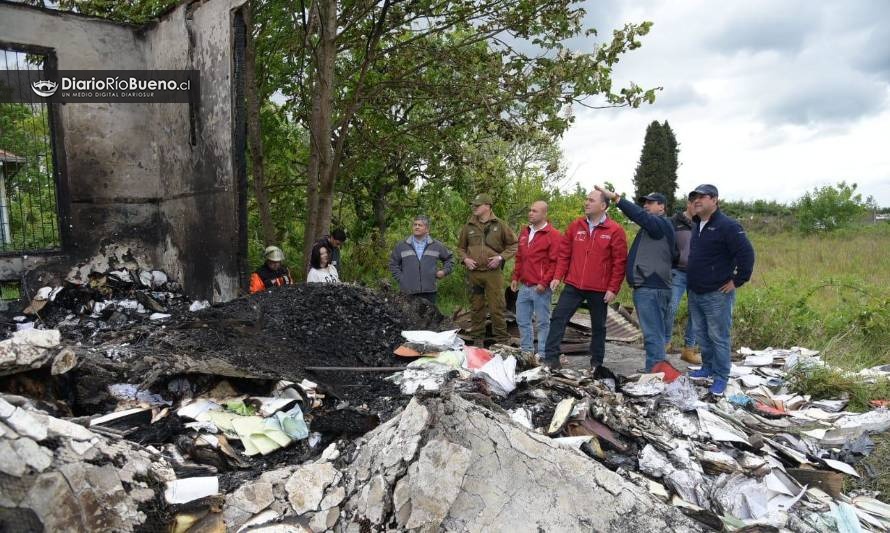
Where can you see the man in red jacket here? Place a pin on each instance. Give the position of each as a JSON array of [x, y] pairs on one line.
[[592, 257], [532, 273]]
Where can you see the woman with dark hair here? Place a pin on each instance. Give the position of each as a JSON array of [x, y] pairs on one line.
[[322, 271]]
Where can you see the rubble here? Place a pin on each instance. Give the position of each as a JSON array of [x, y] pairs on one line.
[[28, 350], [448, 463], [726, 460], [335, 407], [57, 475]]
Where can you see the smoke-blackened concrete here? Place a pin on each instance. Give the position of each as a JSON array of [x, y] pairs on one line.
[[163, 177]]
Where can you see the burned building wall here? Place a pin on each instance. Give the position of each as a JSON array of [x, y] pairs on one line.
[[199, 209], [109, 166], [158, 177]]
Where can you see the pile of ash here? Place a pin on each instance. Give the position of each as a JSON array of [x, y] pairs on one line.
[[268, 336], [284, 330]]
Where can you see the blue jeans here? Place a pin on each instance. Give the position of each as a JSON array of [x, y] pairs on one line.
[[653, 308], [712, 316], [568, 303], [529, 302], [678, 288]]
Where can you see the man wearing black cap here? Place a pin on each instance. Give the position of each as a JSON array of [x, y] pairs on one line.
[[721, 259], [484, 245], [333, 242], [648, 269]]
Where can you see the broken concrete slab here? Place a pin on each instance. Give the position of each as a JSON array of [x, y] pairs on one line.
[[28, 349], [324, 520], [252, 497], [57, 427], [10, 463], [432, 483], [247, 501], [32, 454], [491, 475], [21, 421], [333, 497], [101, 487], [306, 486]]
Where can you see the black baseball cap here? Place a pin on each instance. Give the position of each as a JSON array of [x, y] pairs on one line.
[[704, 190], [655, 197]]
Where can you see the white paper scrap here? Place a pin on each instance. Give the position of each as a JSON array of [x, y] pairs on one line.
[[191, 489]]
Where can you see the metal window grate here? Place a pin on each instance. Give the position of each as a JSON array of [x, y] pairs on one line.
[[29, 219]]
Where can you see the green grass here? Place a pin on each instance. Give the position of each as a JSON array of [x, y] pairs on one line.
[[828, 383], [826, 292]]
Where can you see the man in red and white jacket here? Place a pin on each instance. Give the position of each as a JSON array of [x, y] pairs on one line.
[[535, 264], [592, 257]]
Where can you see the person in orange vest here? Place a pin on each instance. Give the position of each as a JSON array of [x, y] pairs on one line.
[[273, 273]]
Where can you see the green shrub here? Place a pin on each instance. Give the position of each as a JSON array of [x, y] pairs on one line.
[[829, 208]]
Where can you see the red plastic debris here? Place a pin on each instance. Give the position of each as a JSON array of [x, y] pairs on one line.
[[670, 373], [406, 351], [477, 357], [769, 410]]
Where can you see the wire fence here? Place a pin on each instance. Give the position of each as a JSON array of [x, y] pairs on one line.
[[29, 217]]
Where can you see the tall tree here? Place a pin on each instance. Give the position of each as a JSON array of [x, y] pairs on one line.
[[657, 168], [254, 132], [432, 64]]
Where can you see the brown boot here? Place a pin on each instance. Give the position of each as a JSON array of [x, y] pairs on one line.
[[691, 355]]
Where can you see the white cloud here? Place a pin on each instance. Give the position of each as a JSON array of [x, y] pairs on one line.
[[767, 100]]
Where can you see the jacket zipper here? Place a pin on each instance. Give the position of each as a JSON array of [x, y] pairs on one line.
[[587, 253]]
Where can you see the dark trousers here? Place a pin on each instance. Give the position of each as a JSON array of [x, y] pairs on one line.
[[568, 303], [428, 296]]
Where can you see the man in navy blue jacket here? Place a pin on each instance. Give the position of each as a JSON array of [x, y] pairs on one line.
[[721, 260], [648, 269]]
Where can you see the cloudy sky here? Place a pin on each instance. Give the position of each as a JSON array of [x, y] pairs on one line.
[[767, 98]]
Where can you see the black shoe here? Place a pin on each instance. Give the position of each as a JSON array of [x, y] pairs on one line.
[[552, 364]]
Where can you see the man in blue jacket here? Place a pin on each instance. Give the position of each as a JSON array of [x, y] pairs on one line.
[[648, 269], [721, 259]]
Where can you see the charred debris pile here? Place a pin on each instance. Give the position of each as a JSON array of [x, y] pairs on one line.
[[120, 394]]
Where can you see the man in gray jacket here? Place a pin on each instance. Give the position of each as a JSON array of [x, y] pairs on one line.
[[414, 262]]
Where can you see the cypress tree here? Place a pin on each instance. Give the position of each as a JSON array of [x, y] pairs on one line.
[[657, 169]]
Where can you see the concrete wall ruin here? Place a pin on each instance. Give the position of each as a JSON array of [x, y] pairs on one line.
[[166, 179]]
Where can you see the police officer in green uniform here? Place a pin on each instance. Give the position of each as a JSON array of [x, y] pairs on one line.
[[484, 245]]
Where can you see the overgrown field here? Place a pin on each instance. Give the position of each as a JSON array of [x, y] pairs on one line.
[[829, 292]]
